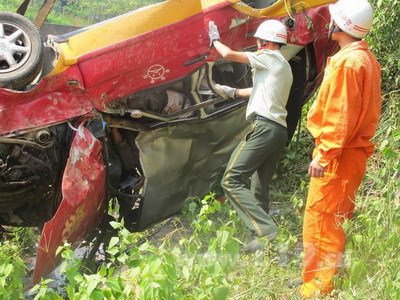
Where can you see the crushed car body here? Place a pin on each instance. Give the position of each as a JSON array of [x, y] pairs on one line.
[[127, 109]]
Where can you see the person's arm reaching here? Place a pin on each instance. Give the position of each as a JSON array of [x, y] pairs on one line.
[[230, 54], [222, 49], [244, 93], [231, 92]]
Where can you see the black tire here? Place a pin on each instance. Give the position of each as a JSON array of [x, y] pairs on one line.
[[27, 59]]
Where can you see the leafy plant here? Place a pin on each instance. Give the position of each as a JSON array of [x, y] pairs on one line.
[[12, 270], [79, 13], [374, 233], [385, 45]]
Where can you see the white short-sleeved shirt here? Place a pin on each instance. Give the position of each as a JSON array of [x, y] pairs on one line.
[[272, 80]]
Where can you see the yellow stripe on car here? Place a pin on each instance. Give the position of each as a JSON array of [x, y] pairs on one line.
[[157, 16], [124, 27]]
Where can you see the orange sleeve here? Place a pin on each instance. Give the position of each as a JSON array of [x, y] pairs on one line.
[[341, 115]]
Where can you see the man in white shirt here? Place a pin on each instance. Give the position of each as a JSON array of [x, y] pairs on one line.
[[258, 152]]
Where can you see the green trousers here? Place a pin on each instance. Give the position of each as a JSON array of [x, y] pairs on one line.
[[256, 157]]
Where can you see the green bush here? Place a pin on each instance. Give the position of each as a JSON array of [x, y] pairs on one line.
[[384, 41], [374, 233], [12, 271]]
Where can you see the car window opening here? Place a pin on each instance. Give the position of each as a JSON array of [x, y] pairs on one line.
[[192, 97]]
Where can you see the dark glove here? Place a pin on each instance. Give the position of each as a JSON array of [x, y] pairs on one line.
[[213, 32]]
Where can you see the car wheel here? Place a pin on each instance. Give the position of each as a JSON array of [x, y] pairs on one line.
[[21, 51]]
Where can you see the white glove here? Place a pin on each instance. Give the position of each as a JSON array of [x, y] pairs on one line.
[[213, 32], [226, 91]]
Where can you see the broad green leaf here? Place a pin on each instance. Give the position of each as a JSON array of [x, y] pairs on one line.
[[113, 241]]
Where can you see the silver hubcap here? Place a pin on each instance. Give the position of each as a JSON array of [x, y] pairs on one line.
[[15, 47]]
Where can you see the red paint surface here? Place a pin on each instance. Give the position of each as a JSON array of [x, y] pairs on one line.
[[54, 100], [83, 203], [113, 73]]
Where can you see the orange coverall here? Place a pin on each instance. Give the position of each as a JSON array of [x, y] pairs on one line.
[[342, 120]]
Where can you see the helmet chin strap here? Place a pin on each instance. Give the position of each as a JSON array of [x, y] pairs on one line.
[[333, 28], [261, 43]]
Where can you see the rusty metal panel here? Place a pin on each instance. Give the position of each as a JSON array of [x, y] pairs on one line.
[[22, 8], [43, 13]]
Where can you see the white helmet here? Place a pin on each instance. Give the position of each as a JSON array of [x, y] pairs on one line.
[[352, 16], [273, 31]]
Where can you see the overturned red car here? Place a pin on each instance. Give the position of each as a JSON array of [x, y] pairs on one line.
[[127, 109]]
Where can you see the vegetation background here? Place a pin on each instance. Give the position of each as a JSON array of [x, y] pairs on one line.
[[79, 12], [196, 255]]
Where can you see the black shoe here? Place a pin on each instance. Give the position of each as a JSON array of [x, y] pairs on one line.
[[256, 245]]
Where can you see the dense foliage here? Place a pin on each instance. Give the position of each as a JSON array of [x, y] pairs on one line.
[[384, 39], [199, 258], [79, 12]]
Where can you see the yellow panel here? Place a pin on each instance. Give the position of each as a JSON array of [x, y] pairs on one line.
[[280, 8], [66, 59], [133, 24], [207, 3]]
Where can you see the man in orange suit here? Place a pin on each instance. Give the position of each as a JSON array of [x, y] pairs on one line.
[[342, 120]]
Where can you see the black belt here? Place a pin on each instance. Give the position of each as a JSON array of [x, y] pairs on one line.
[[261, 118]]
